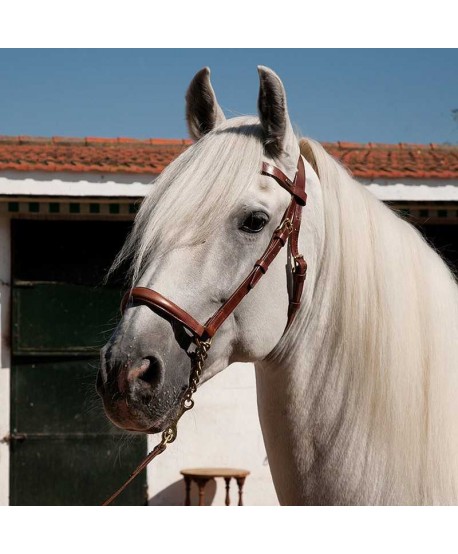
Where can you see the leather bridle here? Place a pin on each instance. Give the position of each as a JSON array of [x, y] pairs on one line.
[[201, 335], [288, 228]]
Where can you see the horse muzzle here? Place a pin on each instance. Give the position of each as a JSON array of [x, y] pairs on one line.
[[138, 395]]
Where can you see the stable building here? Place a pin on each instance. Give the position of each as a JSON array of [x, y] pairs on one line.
[[66, 206]]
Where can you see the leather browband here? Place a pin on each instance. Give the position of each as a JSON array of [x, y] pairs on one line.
[[288, 228]]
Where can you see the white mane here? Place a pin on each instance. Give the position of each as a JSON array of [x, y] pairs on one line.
[[193, 194], [381, 351]]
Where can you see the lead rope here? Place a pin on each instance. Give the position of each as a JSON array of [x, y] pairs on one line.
[[198, 358]]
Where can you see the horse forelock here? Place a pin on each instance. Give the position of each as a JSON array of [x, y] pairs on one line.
[[195, 192]]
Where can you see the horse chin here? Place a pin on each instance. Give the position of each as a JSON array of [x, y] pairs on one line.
[[162, 424], [129, 418]]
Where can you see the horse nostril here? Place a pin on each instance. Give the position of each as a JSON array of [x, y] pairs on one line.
[[150, 371]]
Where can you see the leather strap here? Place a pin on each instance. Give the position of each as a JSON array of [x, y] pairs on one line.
[[158, 449], [163, 307], [276, 243], [288, 228], [300, 265], [285, 182]]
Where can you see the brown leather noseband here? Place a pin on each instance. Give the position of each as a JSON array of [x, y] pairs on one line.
[[288, 228]]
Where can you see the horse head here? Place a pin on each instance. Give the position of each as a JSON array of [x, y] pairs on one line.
[[208, 219]]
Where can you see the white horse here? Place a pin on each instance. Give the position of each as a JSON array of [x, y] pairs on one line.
[[358, 399]]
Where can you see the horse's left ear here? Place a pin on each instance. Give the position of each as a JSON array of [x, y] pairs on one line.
[[273, 112], [203, 112]]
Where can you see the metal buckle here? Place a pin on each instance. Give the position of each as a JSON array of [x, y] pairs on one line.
[[286, 223]]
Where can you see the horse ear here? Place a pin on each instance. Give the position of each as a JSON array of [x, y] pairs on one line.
[[273, 112], [203, 112]]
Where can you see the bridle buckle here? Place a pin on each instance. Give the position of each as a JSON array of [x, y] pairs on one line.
[[285, 225]]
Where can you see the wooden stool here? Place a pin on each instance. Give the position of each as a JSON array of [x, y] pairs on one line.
[[202, 475]]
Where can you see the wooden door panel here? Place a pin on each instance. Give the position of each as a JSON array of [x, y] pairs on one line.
[[57, 395], [59, 318], [64, 451], [75, 470]]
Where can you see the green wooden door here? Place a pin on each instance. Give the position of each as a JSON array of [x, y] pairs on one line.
[[63, 449]]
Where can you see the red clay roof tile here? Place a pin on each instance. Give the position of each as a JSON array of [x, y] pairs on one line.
[[397, 161], [151, 156]]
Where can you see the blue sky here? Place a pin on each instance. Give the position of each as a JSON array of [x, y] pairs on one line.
[[356, 95]]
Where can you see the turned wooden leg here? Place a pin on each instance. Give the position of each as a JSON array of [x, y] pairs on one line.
[[187, 484], [201, 484], [228, 484], [240, 482]]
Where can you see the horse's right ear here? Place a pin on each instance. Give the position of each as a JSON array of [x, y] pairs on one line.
[[203, 112], [273, 112]]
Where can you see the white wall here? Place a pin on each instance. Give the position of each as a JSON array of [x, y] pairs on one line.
[[5, 356], [222, 430]]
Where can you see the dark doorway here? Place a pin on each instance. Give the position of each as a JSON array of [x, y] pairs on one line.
[[63, 449], [444, 239]]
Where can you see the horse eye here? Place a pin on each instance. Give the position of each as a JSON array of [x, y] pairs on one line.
[[255, 222]]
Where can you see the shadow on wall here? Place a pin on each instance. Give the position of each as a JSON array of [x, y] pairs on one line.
[[174, 494]]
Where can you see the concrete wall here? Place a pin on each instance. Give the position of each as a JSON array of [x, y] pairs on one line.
[[222, 430]]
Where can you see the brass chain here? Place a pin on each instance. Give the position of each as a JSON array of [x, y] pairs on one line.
[[198, 358]]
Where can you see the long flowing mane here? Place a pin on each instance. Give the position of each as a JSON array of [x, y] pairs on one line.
[[384, 323], [195, 192]]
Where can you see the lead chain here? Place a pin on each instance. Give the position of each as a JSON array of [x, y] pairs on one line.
[[187, 403]]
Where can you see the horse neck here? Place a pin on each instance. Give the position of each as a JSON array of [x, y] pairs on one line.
[[342, 398], [283, 378]]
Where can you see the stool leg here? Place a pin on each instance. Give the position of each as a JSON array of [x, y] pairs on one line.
[[201, 484], [240, 482], [187, 484], [228, 484]]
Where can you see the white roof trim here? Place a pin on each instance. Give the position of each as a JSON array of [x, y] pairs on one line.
[[68, 185], [415, 193], [13, 183]]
